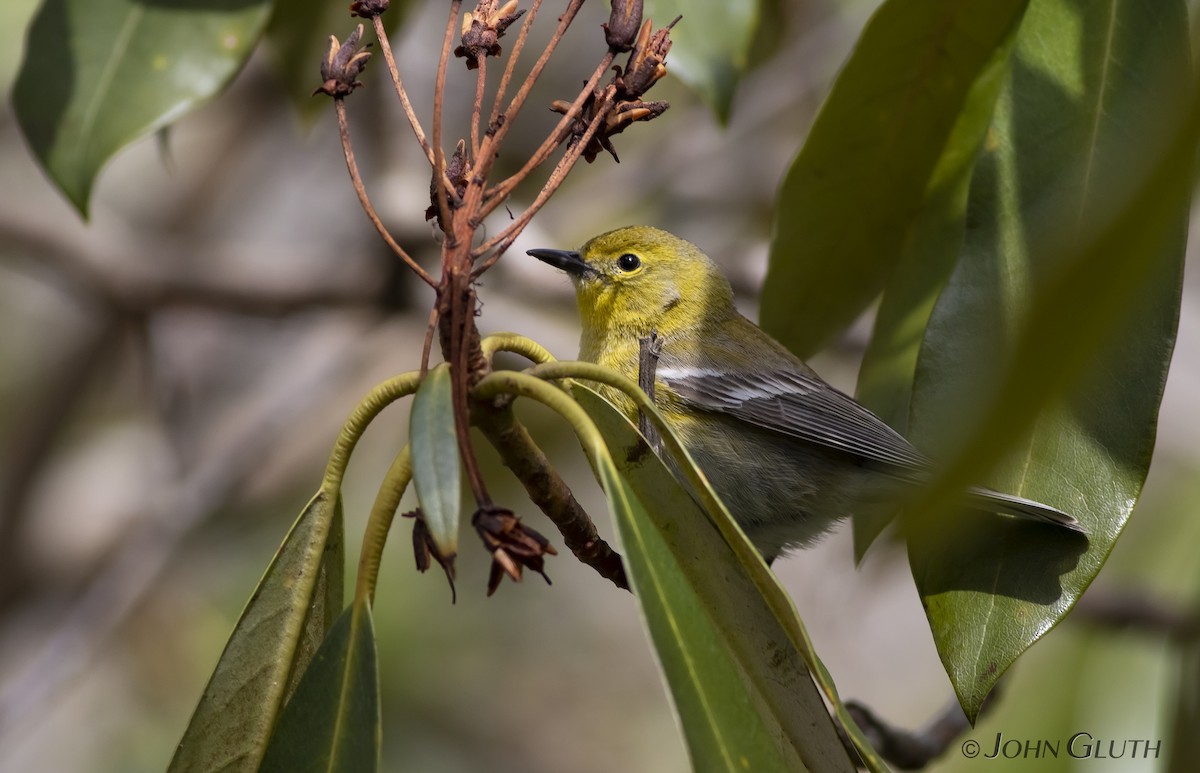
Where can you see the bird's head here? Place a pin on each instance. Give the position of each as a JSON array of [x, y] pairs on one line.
[[639, 278]]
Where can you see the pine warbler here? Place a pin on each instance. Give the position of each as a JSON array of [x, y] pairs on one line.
[[788, 454]]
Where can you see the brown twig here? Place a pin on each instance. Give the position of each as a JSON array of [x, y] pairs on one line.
[[495, 196], [462, 198], [477, 108], [907, 749], [549, 492], [503, 240], [914, 749], [1137, 611], [511, 66], [442, 191], [365, 201], [386, 46], [464, 343], [505, 120]]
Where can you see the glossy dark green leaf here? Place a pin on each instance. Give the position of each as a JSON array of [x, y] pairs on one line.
[[710, 45], [332, 722], [929, 254], [1058, 324], [288, 616], [1111, 675], [99, 74], [854, 195], [436, 472], [298, 34], [745, 697]]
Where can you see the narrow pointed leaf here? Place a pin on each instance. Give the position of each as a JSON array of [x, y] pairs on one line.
[[710, 45], [332, 722], [852, 197], [745, 697], [99, 74], [287, 617], [436, 472], [1073, 264]]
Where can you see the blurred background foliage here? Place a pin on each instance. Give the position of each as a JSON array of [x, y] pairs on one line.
[[151, 460]]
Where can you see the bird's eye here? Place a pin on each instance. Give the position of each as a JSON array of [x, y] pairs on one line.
[[629, 261]]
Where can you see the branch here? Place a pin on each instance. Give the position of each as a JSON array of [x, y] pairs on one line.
[[493, 197], [502, 241], [1138, 611], [548, 491], [441, 191], [386, 46], [912, 750], [513, 56], [365, 201], [503, 122], [477, 108]]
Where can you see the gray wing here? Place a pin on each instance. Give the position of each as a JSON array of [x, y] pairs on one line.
[[799, 405], [805, 407]]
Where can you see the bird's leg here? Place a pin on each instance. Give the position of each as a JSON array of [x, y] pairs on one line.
[[649, 350]]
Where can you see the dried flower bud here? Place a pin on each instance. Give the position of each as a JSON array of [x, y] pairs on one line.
[[425, 549], [626, 113], [458, 169], [483, 28], [342, 64], [646, 64], [622, 28], [616, 121], [512, 545], [368, 9]]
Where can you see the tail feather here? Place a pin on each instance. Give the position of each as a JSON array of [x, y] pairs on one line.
[[1009, 504]]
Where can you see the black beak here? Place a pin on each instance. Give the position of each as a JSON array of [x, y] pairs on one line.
[[567, 260]]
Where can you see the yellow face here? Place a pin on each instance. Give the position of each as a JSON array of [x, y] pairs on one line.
[[637, 279]]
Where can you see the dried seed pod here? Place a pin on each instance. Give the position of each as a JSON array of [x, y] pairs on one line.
[[342, 65], [483, 28], [368, 9], [622, 28], [512, 545], [646, 64]]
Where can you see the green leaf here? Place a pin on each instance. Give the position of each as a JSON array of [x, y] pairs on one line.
[[744, 695], [929, 253], [853, 196], [99, 74], [289, 614], [298, 35], [436, 472], [1073, 264], [709, 46], [332, 724], [1104, 678]]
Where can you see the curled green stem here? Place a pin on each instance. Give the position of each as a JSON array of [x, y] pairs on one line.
[[526, 385], [379, 522], [517, 344], [379, 398]]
